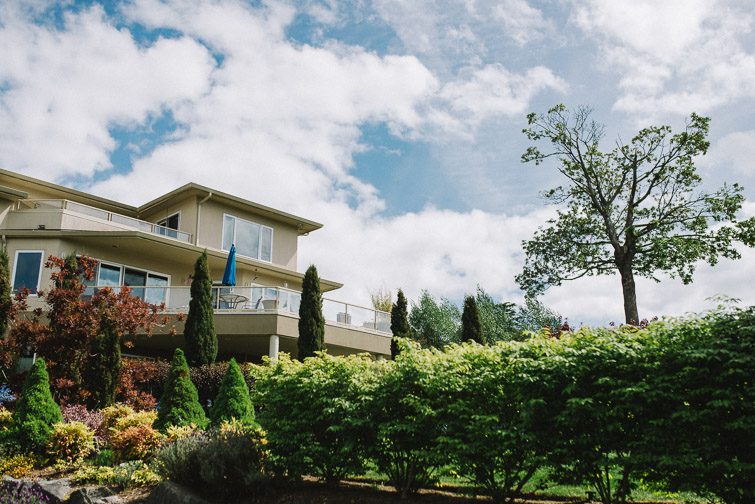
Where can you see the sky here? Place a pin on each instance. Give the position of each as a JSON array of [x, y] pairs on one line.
[[395, 123]]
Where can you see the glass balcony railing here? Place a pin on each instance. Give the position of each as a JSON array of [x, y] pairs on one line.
[[98, 213], [265, 300]]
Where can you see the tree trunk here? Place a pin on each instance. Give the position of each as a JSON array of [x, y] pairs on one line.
[[630, 296]]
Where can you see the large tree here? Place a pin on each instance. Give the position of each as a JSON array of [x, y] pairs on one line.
[[471, 328], [311, 320], [636, 209], [199, 330]]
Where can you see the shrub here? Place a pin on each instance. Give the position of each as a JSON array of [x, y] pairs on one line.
[[70, 442], [233, 401], [406, 425], [311, 321], [199, 330], [85, 474], [179, 404], [6, 395], [175, 432], [207, 379], [36, 412], [135, 442], [125, 475], [229, 460], [21, 495], [136, 418], [17, 466], [6, 418], [328, 432], [140, 382], [101, 371], [110, 417], [79, 413]]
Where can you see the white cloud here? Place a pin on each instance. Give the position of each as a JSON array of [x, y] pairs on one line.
[[734, 152], [673, 57], [522, 22], [64, 89]]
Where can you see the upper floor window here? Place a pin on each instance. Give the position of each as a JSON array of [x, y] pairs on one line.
[[27, 270], [251, 239], [169, 225]]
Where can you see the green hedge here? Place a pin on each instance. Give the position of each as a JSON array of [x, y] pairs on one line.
[[673, 403]]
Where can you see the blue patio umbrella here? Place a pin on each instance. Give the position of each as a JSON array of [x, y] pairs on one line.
[[229, 277]]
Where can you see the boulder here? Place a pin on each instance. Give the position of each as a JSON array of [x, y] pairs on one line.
[[56, 491], [169, 492], [89, 495], [9, 484]]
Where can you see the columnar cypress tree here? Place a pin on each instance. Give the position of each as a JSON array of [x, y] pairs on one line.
[[199, 330], [233, 399], [311, 320], [471, 329], [399, 322], [103, 368], [179, 404], [6, 303], [36, 411]]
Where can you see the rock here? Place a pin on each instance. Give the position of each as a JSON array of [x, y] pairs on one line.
[[90, 495], [9, 484], [113, 499], [169, 492], [56, 491]]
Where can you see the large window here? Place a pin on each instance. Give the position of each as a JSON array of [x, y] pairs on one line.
[[27, 270], [251, 239], [149, 286]]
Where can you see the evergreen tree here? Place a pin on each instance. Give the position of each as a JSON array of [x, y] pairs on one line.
[[233, 399], [311, 320], [36, 411], [199, 330], [6, 303], [471, 329], [399, 322], [179, 404], [103, 368]]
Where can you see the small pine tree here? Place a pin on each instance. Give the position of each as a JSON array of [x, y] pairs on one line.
[[399, 322], [311, 320], [103, 368], [233, 399], [199, 330], [471, 329], [36, 411], [6, 302], [179, 404]]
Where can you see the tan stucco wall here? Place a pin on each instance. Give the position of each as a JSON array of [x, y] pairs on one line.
[[187, 208], [211, 232]]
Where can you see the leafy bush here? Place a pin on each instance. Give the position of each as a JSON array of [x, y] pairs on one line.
[[140, 382], [36, 412], [328, 431], [17, 466], [179, 404], [86, 474], [405, 423], [229, 460], [6, 418], [128, 474], [175, 432], [135, 442], [6, 395], [70, 442], [233, 399]]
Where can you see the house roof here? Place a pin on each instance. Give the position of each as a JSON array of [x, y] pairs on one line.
[[303, 225]]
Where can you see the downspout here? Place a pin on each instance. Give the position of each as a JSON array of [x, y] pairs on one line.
[[199, 211]]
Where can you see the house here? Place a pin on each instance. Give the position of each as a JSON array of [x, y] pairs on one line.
[[152, 249]]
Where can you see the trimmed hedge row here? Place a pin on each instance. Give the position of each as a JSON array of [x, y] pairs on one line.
[[673, 403]]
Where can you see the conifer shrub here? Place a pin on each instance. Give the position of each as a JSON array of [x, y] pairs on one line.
[[232, 401], [471, 328], [399, 322], [199, 330], [103, 367], [311, 321], [6, 302], [179, 404], [70, 442], [36, 411]]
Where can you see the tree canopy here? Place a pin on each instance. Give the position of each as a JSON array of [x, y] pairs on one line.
[[636, 209]]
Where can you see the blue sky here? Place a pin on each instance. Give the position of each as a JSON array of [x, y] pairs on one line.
[[396, 123]]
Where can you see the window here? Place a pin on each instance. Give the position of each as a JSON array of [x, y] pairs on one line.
[[149, 286], [251, 239], [27, 270], [169, 225]]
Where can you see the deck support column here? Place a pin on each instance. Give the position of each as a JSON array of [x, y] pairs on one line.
[[274, 345]]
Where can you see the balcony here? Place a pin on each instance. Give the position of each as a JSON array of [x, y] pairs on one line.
[[267, 300], [66, 214]]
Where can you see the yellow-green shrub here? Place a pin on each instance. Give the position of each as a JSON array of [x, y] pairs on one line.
[[111, 415], [92, 474], [17, 466], [176, 432], [6, 418], [70, 442]]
